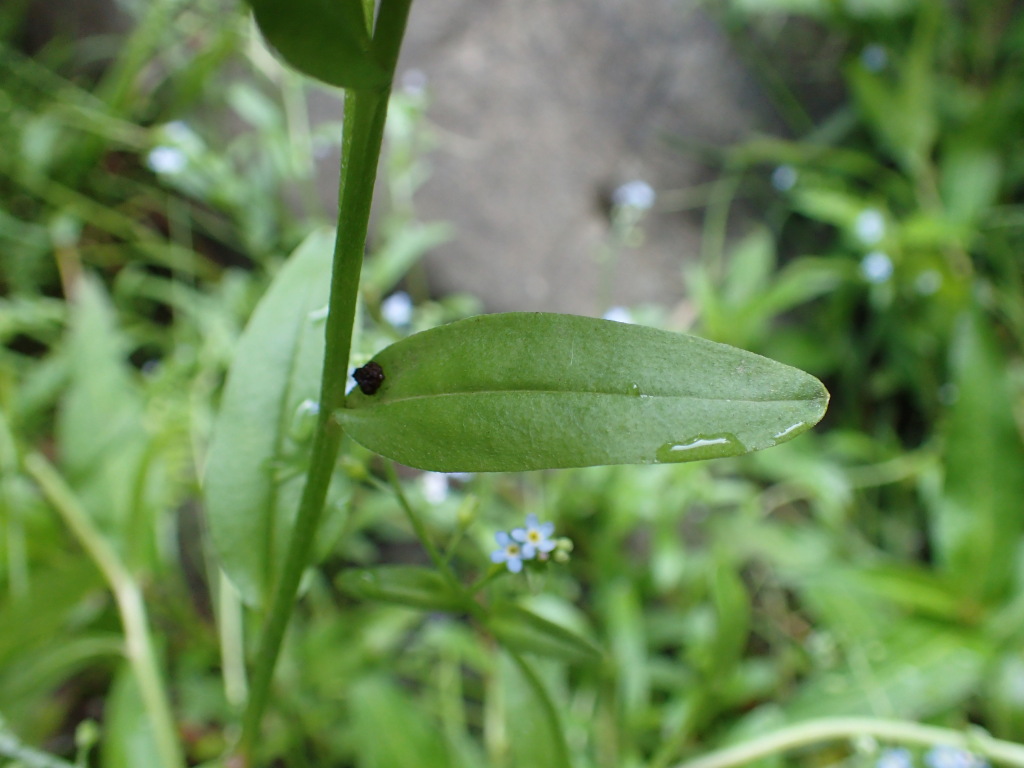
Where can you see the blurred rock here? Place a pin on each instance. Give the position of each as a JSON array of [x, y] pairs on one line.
[[544, 107]]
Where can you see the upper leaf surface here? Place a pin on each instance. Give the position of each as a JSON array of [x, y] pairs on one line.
[[524, 391]]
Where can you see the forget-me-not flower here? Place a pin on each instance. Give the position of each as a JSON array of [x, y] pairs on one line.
[[876, 267], [166, 160], [535, 538], [619, 315], [945, 756], [870, 226], [637, 194], [784, 178], [874, 57], [895, 757], [509, 552], [397, 308]]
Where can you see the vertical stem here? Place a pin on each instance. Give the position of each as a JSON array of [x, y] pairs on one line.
[[363, 131], [230, 628]]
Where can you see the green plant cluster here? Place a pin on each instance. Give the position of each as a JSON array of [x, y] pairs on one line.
[[825, 596]]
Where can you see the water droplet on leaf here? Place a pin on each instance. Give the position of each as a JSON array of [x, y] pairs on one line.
[[700, 447]]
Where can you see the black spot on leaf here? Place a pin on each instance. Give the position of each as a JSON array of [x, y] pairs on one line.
[[369, 377]]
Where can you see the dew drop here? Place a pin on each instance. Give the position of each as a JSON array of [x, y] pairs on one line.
[[701, 447], [788, 430]]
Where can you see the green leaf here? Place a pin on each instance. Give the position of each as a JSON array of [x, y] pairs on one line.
[[325, 39], [522, 391], [523, 630], [402, 584], [978, 520], [393, 729], [128, 738], [915, 670], [101, 435], [253, 480]]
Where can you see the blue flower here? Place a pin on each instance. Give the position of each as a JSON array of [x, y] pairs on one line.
[[535, 538], [944, 756], [637, 194], [894, 757], [508, 552], [876, 267], [870, 226]]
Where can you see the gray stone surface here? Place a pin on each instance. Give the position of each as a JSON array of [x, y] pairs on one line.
[[543, 107]]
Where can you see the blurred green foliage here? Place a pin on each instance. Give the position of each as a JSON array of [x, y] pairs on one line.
[[873, 567]]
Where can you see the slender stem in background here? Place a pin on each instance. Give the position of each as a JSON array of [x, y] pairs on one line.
[[138, 639], [421, 530], [232, 641], [363, 131], [845, 728], [716, 221]]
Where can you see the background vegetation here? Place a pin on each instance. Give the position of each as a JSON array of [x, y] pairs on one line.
[[872, 567]]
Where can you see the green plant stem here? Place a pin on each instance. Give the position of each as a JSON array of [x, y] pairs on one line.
[[138, 639], [232, 643], [845, 728], [363, 131], [421, 531]]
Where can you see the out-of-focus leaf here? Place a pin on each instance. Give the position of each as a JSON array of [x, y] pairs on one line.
[[253, 472], [128, 740], [403, 584], [903, 114], [627, 641], [917, 670], [732, 616], [519, 721], [970, 181], [524, 391], [100, 432], [523, 630], [391, 729], [978, 520], [403, 248]]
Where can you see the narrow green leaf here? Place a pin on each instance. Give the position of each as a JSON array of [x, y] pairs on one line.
[[100, 432], [978, 520], [402, 584], [522, 391], [253, 477], [325, 39], [128, 738], [523, 630]]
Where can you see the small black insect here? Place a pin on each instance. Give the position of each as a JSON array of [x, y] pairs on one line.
[[369, 377]]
